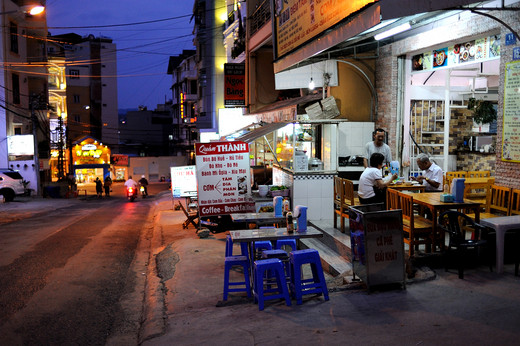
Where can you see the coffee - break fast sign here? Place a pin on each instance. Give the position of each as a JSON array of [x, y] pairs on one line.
[[223, 178]]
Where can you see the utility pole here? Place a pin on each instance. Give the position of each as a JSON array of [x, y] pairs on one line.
[[33, 99]]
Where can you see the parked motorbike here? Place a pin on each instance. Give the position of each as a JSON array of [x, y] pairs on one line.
[[131, 193]]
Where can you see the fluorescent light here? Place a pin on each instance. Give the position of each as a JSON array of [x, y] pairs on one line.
[[393, 31]]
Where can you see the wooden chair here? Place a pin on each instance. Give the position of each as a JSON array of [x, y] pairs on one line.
[[349, 199], [454, 174], [191, 217], [478, 194], [497, 203], [478, 174], [392, 199], [514, 208], [338, 198], [417, 229]]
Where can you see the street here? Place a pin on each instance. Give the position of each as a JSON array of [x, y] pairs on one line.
[[64, 274]]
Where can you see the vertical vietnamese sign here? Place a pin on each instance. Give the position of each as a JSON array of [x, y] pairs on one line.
[[511, 118], [234, 85], [184, 181], [223, 177]]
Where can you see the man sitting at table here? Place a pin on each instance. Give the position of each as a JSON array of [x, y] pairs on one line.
[[432, 175], [372, 187]]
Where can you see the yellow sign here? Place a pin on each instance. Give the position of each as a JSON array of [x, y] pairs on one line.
[[90, 152], [297, 21]]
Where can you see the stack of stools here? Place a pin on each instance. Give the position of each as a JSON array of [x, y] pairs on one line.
[[314, 285], [261, 246], [274, 267], [233, 261], [280, 243]]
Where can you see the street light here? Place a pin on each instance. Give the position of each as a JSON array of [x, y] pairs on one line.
[[29, 10]]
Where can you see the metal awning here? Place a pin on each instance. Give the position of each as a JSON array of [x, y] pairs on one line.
[[261, 131]]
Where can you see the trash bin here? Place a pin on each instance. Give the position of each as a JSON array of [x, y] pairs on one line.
[[376, 237]]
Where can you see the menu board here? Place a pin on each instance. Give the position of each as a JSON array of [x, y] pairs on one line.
[[511, 125], [184, 181], [223, 178], [482, 49]]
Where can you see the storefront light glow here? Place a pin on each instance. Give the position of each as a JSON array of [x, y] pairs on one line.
[[393, 31]]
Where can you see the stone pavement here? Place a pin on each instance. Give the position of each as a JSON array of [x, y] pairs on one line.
[[482, 309]]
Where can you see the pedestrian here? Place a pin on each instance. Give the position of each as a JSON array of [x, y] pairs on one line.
[[377, 145], [99, 187], [107, 185]]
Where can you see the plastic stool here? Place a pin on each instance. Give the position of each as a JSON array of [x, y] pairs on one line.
[[282, 256], [229, 247], [275, 266], [229, 263], [262, 245], [286, 242], [316, 284]]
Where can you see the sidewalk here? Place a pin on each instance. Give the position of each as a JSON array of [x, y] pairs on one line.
[[482, 309]]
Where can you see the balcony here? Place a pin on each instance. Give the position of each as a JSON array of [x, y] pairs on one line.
[[260, 17]]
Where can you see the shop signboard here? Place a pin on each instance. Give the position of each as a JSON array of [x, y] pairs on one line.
[[297, 21], [511, 125], [90, 152], [234, 85], [184, 181], [223, 178], [479, 50]]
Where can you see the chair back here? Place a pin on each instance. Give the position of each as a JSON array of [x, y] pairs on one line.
[[406, 205], [392, 199], [338, 191], [498, 200], [479, 174], [515, 202], [454, 174], [349, 198], [456, 224]]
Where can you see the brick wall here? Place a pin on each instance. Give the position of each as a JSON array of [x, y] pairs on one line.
[[457, 29]]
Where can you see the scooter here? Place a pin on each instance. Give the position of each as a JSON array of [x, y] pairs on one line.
[[142, 190], [131, 193]]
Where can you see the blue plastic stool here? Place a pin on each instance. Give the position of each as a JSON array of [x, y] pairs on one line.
[[282, 256], [300, 286], [275, 266], [286, 242], [230, 262], [262, 245], [229, 247]]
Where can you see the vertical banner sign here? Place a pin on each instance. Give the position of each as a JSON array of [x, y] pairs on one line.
[[223, 178], [234, 85], [511, 126], [184, 181]]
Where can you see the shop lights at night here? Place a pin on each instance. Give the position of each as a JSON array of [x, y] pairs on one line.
[[396, 30]]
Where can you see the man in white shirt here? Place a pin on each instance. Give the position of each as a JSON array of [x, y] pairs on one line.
[[371, 185], [432, 175], [131, 182], [377, 146]]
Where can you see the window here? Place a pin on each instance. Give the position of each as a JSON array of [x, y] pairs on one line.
[[13, 32], [74, 74], [77, 99], [18, 130], [193, 86], [16, 88], [77, 118]]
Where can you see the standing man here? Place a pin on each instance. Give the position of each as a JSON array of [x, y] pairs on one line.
[[377, 146], [432, 175]]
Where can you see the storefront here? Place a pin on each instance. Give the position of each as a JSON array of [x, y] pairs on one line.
[[91, 159]]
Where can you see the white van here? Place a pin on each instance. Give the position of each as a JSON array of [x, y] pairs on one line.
[[11, 184]]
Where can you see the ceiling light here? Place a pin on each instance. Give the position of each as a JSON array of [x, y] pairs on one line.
[[393, 31], [311, 84]]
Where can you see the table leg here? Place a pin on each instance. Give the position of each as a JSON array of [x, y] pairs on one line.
[[500, 251]]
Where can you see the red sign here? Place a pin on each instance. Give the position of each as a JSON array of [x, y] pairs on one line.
[[234, 85], [223, 178]]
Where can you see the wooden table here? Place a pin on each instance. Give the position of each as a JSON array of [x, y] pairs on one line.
[[258, 218], [478, 183], [501, 225], [407, 187], [432, 201]]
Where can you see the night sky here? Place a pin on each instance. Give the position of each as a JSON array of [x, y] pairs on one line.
[[143, 49]]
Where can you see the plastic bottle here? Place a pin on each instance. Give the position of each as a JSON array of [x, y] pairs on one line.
[[289, 220], [446, 188], [285, 206]]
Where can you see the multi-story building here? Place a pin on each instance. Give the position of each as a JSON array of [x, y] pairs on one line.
[[183, 69], [23, 90]]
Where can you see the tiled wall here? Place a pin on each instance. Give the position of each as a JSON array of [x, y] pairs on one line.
[[315, 192], [353, 136]]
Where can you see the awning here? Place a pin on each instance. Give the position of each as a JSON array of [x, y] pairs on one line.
[[293, 102], [261, 131]]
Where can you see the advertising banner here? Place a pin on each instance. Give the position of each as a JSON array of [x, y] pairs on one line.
[[184, 181], [511, 127], [234, 85], [223, 178]]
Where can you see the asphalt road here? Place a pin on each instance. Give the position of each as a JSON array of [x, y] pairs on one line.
[[65, 274]]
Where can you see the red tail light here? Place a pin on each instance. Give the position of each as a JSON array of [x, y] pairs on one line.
[[130, 189]]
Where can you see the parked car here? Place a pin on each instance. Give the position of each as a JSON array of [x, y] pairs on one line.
[[11, 184]]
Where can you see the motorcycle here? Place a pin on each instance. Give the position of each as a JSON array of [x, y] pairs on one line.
[[142, 190], [131, 193]]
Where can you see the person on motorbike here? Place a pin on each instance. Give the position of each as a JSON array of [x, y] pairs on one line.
[[144, 183], [130, 182]]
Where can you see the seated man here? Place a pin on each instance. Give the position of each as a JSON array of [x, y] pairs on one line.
[[432, 175], [371, 185]]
